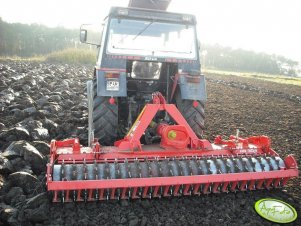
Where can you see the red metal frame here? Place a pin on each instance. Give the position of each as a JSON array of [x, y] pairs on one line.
[[130, 149]]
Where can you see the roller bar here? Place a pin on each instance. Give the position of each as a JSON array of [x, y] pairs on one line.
[[166, 186]]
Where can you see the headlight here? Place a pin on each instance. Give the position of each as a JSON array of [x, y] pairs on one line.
[[123, 12]]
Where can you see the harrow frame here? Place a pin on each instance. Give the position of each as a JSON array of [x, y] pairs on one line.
[[130, 150]]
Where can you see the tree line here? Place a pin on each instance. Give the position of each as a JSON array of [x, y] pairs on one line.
[[24, 40], [226, 58]]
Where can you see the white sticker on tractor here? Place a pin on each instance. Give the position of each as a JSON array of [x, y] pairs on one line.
[[112, 85]]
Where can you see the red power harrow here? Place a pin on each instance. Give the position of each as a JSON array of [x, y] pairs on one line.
[[181, 164]]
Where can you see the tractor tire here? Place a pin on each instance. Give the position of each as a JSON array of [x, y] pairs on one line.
[[195, 116], [105, 119]]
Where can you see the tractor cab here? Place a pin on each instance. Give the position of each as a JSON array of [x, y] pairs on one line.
[[150, 46]]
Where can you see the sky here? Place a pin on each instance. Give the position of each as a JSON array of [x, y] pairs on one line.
[[271, 26]]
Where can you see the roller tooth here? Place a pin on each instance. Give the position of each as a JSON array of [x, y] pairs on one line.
[[107, 170], [238, 165], [165, 168], [248, 165], [190, 190], [127, 168], [190, 169], [221, 162], [149, 168], [252, 185], [74, 196], [129, 194], [85, 170], [137, 169], [117, 169], [263, 163], [85, 195], [203, 166], [95, 170], [243, 165], [257, 166], [269, 162], [161, 192], [279, 162], [96, 194], [181, 190], [62, 196], [185, 167], [193, 167], [118, 172], [277, 182], [62, 171], [230, 165], [74, 171], [160, 170], [208, 165], [212, 166]]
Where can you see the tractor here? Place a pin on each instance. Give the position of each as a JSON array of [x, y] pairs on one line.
[[142, 51]]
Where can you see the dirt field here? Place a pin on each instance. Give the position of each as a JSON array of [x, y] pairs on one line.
[[39, 102]]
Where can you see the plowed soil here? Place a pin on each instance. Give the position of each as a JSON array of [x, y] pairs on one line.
[[254, 107]]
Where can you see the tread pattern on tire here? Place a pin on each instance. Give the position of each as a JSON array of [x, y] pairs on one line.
[[195, 116], [105, 119]]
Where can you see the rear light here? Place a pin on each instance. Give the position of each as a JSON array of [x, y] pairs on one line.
[[193, 79], [195, 104], [112, 101], [111, 75]]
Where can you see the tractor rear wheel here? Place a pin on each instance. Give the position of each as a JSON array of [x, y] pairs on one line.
[[105, 119], [194, 115]]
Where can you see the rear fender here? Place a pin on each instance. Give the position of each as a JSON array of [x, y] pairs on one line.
[[111, 87], [193, 87]]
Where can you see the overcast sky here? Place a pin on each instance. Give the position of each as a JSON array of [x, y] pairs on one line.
[[272, 26]]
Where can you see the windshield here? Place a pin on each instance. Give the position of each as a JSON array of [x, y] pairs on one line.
[[150, 38]]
